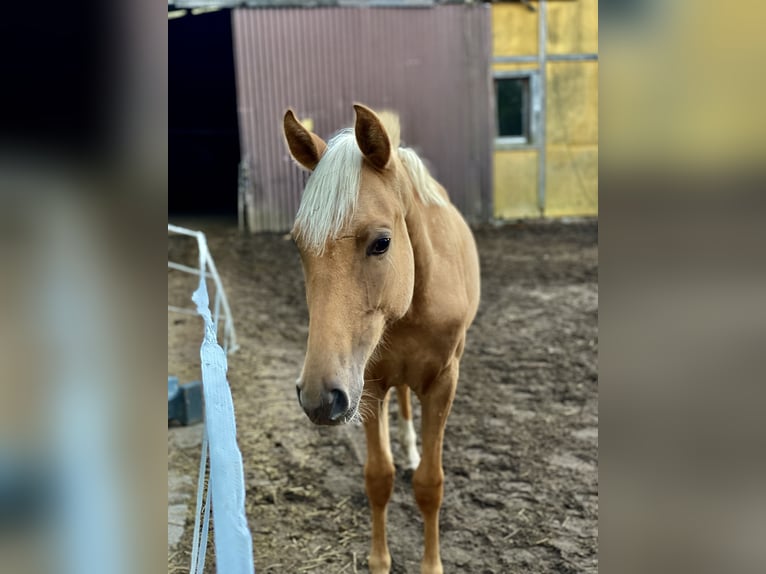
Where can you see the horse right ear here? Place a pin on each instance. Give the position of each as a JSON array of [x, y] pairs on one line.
[[306, 147]]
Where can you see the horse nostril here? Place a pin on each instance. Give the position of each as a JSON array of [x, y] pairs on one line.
[[339, 404], [326, 407]]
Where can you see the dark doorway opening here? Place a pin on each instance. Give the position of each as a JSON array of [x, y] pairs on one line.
[[202, 108]]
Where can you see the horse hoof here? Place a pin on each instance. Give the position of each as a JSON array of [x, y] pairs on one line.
[[431, 569], [379, 567]]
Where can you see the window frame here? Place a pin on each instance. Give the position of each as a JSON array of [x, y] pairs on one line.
[[532, 112]]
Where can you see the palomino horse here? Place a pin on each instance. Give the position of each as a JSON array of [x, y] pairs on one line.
[[392, 285]]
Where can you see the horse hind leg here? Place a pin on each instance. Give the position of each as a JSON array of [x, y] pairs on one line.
[[379, 480], [428, 479], [406, 430]]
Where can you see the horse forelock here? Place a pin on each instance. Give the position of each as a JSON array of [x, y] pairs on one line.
[[330, 195], [331, 192]]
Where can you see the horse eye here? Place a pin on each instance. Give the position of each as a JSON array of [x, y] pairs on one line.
[[379, 246]]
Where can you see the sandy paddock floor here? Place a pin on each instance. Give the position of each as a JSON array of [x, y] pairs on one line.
[[521, 446]]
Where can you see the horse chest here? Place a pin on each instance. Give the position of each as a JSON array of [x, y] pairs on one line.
[[413, 357]]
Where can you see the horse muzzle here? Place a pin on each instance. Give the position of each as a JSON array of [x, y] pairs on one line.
[[329, 407]]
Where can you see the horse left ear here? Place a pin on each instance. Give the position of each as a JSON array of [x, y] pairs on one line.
[[371, 137]]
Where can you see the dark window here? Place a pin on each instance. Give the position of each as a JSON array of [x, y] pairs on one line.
[[512, 98]]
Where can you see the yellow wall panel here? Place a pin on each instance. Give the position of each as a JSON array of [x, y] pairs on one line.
[[515, 184], [572, 110], [513, 67], [571, 181], [514, 30], [573, 27]]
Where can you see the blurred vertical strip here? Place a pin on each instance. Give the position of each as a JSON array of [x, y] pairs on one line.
[[83, 188], [682, 283]]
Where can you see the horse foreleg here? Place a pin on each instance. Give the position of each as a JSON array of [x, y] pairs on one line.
[[428, 480], [379, 480], [407, 439]]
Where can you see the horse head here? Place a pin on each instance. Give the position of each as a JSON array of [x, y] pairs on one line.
[[356, 255]]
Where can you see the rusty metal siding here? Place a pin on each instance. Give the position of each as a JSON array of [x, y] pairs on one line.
[[429, 64]]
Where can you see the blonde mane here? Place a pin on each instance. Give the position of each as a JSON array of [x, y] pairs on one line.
[[329, 199]]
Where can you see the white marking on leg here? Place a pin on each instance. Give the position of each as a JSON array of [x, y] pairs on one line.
[[408, 442]]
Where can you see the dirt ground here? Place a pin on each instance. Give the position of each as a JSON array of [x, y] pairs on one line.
[[521, 446]]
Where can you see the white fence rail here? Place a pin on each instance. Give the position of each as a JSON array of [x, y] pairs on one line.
[[225, 492]]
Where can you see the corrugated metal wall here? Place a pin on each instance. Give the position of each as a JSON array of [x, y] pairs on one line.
[[429, 64]]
